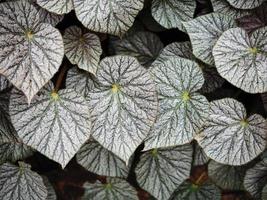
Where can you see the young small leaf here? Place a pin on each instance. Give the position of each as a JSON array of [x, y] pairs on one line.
[[123, 106], [99, 160], [21, 183], [82, 49], [31, 51], [56, 6], [204, 31], [114, 189], [105, 16], [161, 171], [245, 4], [182, 110], [229, 136], [56, 124]]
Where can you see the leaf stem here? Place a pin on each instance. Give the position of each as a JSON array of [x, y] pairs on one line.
[[60, 77], [202, 175]]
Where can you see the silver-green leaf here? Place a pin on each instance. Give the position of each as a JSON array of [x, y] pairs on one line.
[[95, 158], [161, 171], [105, 16], [229, 136], [245, 4], [204, 31], [182, 110], [31, 51], [242, 60], [82, 49], [115, 188], [20, 183], [56, 6], [56, 124]]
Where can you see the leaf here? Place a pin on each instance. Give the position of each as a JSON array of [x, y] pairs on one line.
[[31, 51], [56, 124], [124, 106], [56, 6], [190, 191], [255, 179], [245, 4], [95, 158], [111, 17], [204, 31], [200, 158], [241, 59], [229, 136], [51, 194], [227, 177], [222, 6], [4, 83], [21, 183], [171, 13], [81, 81], [48, 17], [182, 110], [161, 171], [145, 46], [82, 49], [114, 189]]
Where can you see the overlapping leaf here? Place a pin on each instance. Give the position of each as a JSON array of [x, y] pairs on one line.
[[230, 137], [171, 13], [56, 6], [4, 83], [31, 52], [245, 4], [82, 49], [182, 110], [161, 171], [99, 160], [145, 46], [114, 189], [56, 124], [242, 60], [200, 158], [21, 183], [105, 16], [204, 31], [51, 194], [123, 106]]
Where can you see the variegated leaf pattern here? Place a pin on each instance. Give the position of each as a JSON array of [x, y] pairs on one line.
[[115, 188], [48, 17], [161, 171], [124, 106], [56, 6], [230, 136], [245, 4], [204, 31], [105, 16], [21, 183], [56, 124], [227, 177], [242, 60], [95, 158], [31, 52], [200, 158], [191, 191], [82, 49], [145, 46], [255, 179], [171, 13], [182, 110]]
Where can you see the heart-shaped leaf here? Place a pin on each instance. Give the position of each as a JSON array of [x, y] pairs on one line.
[[171, 13], [242, 60], [114, 189], [182, 110], [95, 158], [161, 171], [145, 46], [56, 6], [123, 106], [82, 49], [56, 124], [31, 52], [105, 16], [21, 183], [245, 4], [255, 179], [229, 136], [227, 177], [204, 31]]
